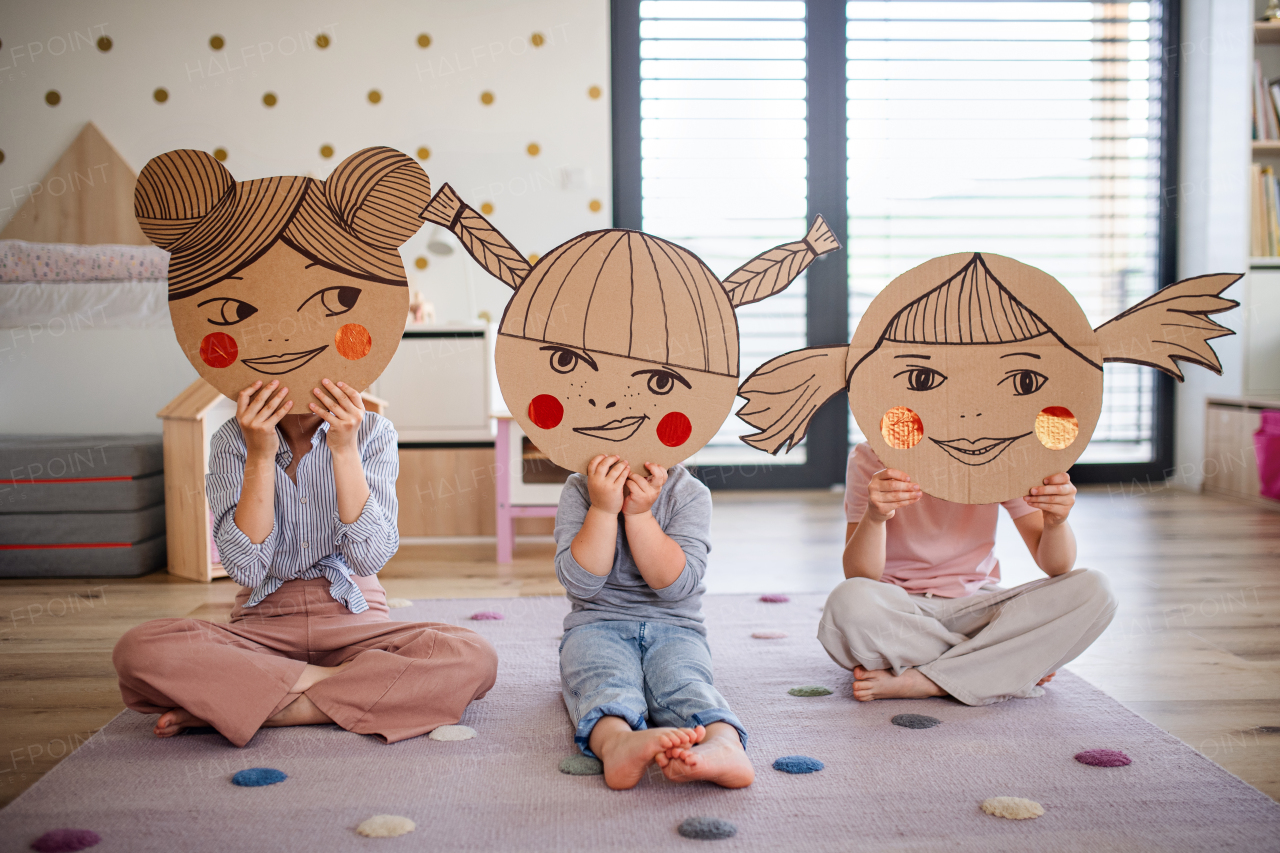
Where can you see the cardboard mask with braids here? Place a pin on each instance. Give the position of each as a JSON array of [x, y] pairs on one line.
[[617, 342], [979, 375]]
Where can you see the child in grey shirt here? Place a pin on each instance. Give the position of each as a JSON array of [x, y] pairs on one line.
[[631, 551]]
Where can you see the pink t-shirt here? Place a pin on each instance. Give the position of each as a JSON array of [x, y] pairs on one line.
[[933, 546]]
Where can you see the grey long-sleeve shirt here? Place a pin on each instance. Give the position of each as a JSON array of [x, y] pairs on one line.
[[683, 511]]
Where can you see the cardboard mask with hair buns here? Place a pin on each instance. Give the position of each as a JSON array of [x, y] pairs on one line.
[[978, 375], [285, 278], [619, 343]]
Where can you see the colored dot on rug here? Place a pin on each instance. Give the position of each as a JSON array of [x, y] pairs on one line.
[[399, 602], [485, 615], [707, 828], [256, 777], [769, 635], [452, 733], [65, 840], [809, 691], [915, 721], [775, 598], [1012, 808], [581, 765], [1103, 758], [386, 826], [798, 764]]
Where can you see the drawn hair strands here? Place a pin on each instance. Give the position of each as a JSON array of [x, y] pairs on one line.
[[1171, 325], [353, 222], [628, 293], [971, 307]]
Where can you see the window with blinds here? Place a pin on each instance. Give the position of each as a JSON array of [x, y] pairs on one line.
[[1027, 129], [723, 148]]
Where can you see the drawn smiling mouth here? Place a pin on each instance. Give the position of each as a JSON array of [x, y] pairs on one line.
[[619, 430], [275, 365], [978, 451]]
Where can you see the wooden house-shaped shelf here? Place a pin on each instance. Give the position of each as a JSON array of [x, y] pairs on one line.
[[190, 420]]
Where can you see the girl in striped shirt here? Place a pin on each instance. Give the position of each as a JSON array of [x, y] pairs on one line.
[[304, 503]]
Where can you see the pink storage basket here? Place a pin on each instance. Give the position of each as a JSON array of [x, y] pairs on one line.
[[1266, 444]]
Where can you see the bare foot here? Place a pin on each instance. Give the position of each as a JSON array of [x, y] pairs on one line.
[[172, 722], [300, 712], [313, 675], [718, 757], [626, 754], [883, 684], [1042, 682]]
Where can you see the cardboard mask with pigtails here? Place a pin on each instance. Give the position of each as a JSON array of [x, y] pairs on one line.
[[285, 278], [619, 343], [979, 375]]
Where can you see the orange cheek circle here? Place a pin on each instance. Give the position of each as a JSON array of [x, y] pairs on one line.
[[674, 429], [1056, 427], [546, 412], [901, 428], [353, 341], [219, 349]]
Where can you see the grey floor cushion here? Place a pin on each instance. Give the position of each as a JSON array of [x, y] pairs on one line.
[[63, 561]]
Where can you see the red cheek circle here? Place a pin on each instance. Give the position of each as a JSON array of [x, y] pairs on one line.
[[1056, 427], [353, 341], [674, 429], [902, 428], [546, 412], [219, 349]]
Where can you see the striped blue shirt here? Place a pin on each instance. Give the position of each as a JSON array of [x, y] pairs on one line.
[[308, 540]]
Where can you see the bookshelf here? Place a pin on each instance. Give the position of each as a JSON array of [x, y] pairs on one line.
[[1259, 293], [1264, 215]]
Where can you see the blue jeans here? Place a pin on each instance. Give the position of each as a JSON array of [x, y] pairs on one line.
[[634, 669]]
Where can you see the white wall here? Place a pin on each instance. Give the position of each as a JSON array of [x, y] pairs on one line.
[[1213, 194], [430, 97]]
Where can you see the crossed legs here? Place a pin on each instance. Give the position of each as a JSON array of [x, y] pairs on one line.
[[985, 648], [618, 677]]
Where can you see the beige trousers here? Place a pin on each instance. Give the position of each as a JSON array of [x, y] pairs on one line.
[[405, 678], [981, 649]]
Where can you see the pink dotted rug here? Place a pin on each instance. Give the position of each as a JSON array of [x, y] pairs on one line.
[[881, 787]]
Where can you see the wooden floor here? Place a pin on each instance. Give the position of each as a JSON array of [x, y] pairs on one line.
[[1195, 646]]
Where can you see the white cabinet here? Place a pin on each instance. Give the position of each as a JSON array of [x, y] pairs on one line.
[[437, 385]]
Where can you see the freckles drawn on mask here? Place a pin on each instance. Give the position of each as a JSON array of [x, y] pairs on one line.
[[617, 342]]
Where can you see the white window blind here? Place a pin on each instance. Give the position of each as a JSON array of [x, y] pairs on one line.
[[1027, 129], [723, 130]]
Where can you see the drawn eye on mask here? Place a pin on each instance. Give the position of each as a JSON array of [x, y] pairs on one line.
[[922, 378], [335, 301], [565, 360], [1024, 382], [662, 382], [226, 311]]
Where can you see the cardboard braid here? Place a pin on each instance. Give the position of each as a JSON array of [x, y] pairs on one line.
[[481, 240], [771, 272]]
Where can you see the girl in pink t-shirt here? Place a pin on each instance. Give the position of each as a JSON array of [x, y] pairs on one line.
[[921, 614]]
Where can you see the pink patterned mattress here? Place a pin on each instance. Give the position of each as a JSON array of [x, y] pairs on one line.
[[21, 261]]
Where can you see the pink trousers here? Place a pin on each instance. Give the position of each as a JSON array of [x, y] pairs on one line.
[[405, 678]]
